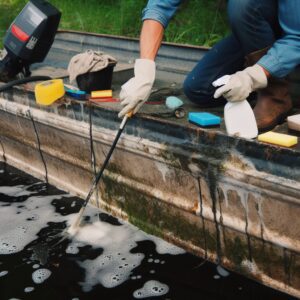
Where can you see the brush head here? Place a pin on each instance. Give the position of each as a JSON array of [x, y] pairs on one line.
[[72, 230]]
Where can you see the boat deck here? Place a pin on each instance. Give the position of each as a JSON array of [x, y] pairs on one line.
[[173, 63]]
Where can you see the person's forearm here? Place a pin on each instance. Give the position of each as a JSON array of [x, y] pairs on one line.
[[151, 38]]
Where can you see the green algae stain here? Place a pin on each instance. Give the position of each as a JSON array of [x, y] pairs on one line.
[[154, 216], [158, 218]]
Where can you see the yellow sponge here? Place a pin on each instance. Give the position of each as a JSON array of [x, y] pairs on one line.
[[49, 91], [278, 139], [101, 94]]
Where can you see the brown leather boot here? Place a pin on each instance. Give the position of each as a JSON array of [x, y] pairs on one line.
[[252, 58], [273, 102]]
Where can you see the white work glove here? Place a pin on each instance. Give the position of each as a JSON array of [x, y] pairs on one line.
[[135, 92], [241, 84]]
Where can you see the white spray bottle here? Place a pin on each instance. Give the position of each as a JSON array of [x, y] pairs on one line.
[[239, 117]]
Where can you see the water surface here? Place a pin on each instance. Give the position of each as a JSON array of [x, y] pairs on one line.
[[107, 259]]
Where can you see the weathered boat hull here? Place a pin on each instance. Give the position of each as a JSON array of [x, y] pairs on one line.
[[232, 200]]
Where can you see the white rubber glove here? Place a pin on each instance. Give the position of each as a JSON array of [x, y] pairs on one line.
[[135, 92], [242, 83]]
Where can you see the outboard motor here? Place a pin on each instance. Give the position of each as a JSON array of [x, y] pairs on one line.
[[29, 39]]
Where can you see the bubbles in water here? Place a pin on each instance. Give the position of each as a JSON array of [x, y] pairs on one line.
[[33, 217], [14, 238], [222, 271], [13, 242], [162, 247], [40, 275], [73, 248], [111, 268], [15, 191], [3, 273], [29, 289], [151, 288]]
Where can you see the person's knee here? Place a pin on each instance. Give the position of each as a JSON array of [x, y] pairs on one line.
[[240, 12], [199, 94]]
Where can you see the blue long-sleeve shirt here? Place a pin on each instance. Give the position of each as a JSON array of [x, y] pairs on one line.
[[284, 55]]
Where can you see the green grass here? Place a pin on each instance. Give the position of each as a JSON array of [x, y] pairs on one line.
[[198, 22]]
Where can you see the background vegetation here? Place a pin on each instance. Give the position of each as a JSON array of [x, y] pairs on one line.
[[198, 22]]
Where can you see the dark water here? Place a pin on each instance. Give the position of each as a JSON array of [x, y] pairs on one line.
[[31, 213]]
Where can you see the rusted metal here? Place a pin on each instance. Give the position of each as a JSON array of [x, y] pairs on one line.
[[232, 200]]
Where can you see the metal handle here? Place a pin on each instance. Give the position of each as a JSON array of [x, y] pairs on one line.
[[125, 119]]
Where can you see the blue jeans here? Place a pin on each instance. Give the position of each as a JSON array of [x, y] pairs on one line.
[[254, 25]]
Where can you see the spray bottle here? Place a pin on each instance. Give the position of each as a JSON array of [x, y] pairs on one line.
[[239, 117]]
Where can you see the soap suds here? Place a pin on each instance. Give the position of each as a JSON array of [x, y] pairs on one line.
[[16, 191], [22, 221], [222, 271], [3, 273], [151, 288], [74, 248], [40, 275], [29, 289]]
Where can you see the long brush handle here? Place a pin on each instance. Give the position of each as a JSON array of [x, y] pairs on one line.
[[99, 175]]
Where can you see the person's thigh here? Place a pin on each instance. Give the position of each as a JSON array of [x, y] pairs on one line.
[[254, 23], [224, 58]]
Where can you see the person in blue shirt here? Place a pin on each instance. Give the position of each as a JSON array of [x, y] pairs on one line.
[[262, 50]]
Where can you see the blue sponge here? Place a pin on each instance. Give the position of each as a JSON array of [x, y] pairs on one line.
[[204, 119]]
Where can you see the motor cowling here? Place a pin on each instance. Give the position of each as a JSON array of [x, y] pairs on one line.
[[29, 38]]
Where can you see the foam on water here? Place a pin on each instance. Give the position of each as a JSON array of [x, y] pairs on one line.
[[222, 271], [15, 191], [21, 222], [114, 266], [29, 289], [74, 248], [40, 275], [151, 288], [3, 273], [163, 247]]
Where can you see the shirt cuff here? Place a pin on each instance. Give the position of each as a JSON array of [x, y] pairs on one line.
[[156, 15], [273, 66]]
